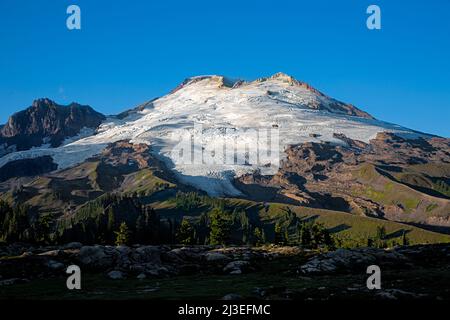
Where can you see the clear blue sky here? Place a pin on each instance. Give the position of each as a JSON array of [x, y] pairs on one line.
[[131, 51]]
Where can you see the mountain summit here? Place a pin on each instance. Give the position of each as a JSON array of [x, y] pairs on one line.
[[272, 139], [228, 111], [280, 87], [46, 122]]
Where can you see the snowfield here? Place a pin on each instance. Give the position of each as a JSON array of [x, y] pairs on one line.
[[232, 128]]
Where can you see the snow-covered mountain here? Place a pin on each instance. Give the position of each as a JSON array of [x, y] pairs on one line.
[[218, 112]]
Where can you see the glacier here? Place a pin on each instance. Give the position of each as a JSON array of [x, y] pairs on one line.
[[220, 105]]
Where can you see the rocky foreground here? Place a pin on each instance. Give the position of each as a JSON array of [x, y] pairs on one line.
[[19, 264], [137, 261]]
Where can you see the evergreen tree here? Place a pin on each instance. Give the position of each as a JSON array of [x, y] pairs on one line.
[[42, 229], [123, 235], [259, 237], [219, 227], [278, 233], [321, 236], [4, 211], [186, 233], [381, 233], [170, 230], [405, 240], [244, 237], [16, 223], [263, 236], [140, 229], [286, 237], [306, 236], [111, 219], [152, 225], [380, 236], [111, 225], [202, 229]]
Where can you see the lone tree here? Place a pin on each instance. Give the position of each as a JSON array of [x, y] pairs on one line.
[[123, 235], [186, 233]]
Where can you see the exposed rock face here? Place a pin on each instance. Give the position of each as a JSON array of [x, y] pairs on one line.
[[343, 260], [47, 122], [399, 178]]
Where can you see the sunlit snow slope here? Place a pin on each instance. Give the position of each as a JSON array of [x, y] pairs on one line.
[[226, 110]]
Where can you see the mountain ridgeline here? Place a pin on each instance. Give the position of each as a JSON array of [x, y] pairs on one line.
[[46, 122], [67, 173]]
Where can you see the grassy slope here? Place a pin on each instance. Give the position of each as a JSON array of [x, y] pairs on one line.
[[388, 192], [343, 225], [429, 176], [144, 181]]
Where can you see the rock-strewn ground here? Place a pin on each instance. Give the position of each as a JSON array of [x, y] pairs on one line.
[[148, 261], [265, 273]]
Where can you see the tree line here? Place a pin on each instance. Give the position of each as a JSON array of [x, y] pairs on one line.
[[124, 219]]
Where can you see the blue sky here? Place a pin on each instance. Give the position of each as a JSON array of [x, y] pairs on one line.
[[131, 51]]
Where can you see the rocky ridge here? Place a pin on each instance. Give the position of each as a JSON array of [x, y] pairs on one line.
[[46, 122]]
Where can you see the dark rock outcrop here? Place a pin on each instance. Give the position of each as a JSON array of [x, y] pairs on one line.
[[46, 122]]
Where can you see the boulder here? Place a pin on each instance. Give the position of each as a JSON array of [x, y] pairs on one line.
[[141, 276], [55, 265], [97, 257], [116, 275], [236, 267], [216, 257], [151, 269], [123, 260], [147, 254], [185, 254], [346, 260]]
